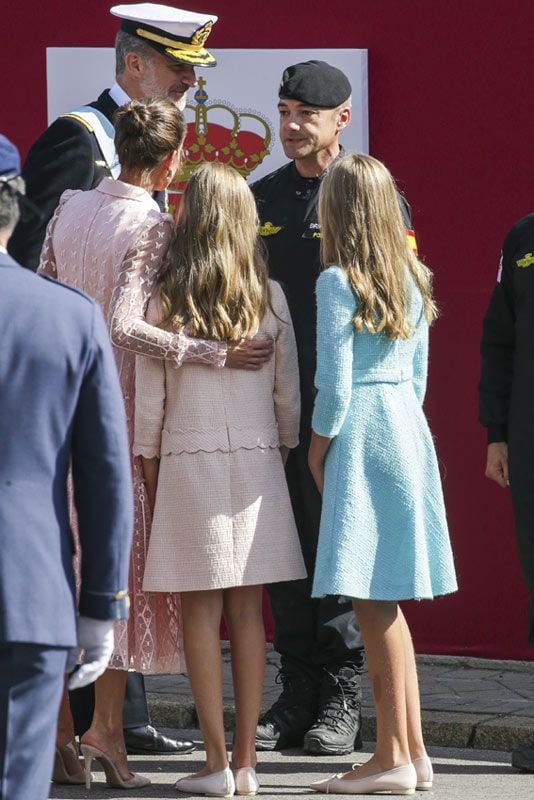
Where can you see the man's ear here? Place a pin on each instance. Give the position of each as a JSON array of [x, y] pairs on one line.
[[344, 118], [134, 64]]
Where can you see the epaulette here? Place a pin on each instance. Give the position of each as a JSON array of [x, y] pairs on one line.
[[80, 119]]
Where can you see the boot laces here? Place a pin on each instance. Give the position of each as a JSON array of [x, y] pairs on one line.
[[341, 699]]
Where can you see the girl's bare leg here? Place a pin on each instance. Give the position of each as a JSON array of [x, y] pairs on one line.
[[242, 608], [413, 703], [384, 639], [201, 613]]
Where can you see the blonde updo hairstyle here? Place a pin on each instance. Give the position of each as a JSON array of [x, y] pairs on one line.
[[146, 131], [215, 281], [363, 233]]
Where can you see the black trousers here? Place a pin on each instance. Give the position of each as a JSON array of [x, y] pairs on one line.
[[134, 710], [311, 634], [521, 460], [31, 686]]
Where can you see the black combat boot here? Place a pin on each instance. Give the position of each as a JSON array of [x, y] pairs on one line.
[[288, 719], [337, 728]]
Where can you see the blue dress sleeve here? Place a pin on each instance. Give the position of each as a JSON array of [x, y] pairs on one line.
[[336, 306]]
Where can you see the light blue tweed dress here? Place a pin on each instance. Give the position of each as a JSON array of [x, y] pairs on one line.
[[383, 532]]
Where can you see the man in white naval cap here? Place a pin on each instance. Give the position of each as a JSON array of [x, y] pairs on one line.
[[157, 50]]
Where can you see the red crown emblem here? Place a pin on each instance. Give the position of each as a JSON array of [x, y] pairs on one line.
[[221, 133]]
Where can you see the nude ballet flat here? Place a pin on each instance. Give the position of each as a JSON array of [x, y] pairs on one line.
[[113, 776], [399, 780], [216, 784], [246, 781], [425, 773]]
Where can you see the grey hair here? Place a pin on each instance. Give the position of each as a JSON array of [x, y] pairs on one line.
[[9, 203], [126, 43]]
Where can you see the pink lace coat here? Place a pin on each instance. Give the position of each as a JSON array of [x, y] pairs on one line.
[[110, 243]]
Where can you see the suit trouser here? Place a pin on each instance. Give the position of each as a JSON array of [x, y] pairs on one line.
[[311, 633], [31, 686], [521, 459], [134, 710]]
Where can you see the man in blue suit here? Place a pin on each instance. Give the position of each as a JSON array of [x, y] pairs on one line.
[[60, 405]]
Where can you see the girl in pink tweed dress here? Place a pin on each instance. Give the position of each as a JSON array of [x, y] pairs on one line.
[[213, 444]]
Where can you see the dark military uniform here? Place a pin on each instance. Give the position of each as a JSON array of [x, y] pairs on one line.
[[65, 156], [507, 384], [309, 633]]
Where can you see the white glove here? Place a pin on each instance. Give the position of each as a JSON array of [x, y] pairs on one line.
[[96, 639]]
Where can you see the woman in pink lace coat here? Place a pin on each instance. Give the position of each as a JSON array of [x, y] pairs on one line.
[[110, 242]]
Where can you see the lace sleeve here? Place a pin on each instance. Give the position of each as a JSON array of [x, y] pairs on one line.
[[135, 283], [47, 262]]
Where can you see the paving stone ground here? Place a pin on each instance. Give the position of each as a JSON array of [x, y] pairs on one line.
[[460, 774], [466, 702]]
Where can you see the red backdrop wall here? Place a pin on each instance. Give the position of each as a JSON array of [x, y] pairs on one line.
[[451, 113]]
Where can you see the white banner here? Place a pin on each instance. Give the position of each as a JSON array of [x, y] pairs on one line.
[[244, 82]]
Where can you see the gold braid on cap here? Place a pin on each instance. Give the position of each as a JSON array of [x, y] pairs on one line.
[[196, 44]]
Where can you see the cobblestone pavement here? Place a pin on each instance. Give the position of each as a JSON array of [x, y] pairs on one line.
[[466, 702]]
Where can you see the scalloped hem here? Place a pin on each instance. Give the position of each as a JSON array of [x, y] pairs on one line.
[[217, 449], [146, 452]]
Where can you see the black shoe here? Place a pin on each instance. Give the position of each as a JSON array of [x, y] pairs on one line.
[[288, 719], [523, 759], [337, 728], [147, 741]]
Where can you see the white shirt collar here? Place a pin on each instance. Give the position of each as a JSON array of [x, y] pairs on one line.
[[3, 250], [118, 94]]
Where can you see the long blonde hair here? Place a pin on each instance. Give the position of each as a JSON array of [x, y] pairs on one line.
[[215, 281], [363, 233]]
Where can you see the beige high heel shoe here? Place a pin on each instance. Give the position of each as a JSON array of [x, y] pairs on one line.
[[66, 756], [113, 776]]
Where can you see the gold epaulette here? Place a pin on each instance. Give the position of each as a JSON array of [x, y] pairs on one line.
[[79, 119]]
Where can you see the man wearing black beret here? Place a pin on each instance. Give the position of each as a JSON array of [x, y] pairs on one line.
[[319, 643]]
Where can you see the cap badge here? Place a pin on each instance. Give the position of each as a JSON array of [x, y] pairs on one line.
[[200, 36]]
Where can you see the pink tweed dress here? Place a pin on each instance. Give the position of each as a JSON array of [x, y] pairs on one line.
[[222, 515]]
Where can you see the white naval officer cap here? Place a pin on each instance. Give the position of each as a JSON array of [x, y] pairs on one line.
[[174, 32]]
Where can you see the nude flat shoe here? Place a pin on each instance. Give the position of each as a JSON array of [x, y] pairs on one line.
[[246, 781], [399, 780], [113, 776], [425, 773], [216, 784]]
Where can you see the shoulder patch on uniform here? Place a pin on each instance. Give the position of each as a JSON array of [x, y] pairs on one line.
[[412, 240], [79, 119], [526, 261], [268, 229]]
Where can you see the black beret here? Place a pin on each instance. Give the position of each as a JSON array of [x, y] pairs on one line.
[[315, 83]]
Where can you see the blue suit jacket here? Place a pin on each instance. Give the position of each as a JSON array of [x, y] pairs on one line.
[[60, 403]]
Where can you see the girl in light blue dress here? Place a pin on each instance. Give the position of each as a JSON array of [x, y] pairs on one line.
[[383, 535]]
